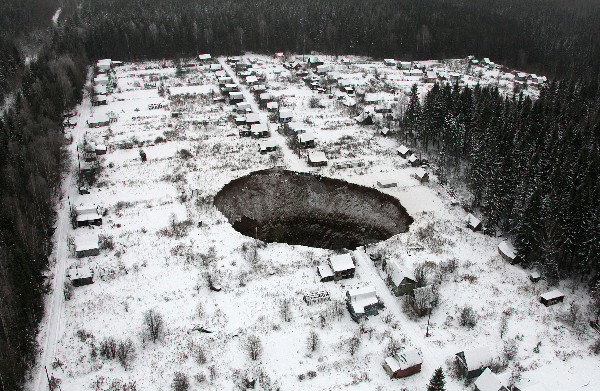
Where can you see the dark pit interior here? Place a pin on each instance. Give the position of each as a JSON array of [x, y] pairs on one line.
[[298, 208]]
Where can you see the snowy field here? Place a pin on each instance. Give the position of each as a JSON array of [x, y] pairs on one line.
[[162, 238]]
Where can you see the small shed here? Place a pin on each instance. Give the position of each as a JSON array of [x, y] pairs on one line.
[[488, 381], [507, 251], [265, 97], [317, 159], [322, 69], [400, 280], [87, 245], [100, 149], [552, 297], [294, 128], [473, 223], [101, 80], [100, 90], [413, 160], [389, 62], [387, 182], [240, 120], [342, 266], [473, 362], [405, 364], [306, 140], [362, 302], [404, 151], [104, 64], [422, 175], [535, 276], [315, 61], [414, 73], [80, 276], [325, 273], [285, 115], [231, 87]]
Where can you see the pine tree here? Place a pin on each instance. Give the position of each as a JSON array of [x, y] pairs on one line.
[[437, 381]]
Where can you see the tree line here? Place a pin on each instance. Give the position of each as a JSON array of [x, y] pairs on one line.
[[533, 167]]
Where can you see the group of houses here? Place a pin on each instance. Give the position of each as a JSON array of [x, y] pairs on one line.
[[103, 82]]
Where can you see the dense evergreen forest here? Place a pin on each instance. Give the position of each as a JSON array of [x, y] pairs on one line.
[[533, 167]]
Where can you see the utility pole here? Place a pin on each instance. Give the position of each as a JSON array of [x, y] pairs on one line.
[[48, 377], [428, 319]]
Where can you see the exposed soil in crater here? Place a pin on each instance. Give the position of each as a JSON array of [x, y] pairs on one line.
[[299, 208]]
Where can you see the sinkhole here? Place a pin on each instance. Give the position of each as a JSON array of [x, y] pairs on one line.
[[283, 206]]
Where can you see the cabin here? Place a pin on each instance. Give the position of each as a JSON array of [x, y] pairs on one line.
[[414, 73], [243, 107], [267, 146], [404, 151], [294, 128], [104, 65], [488, 381], [284, 116], [403, 364], [86, 167], [240, 120], [473, 362], [507, 251], [98, 121], [413, 160], [253, 119], [306, 140], [316, 297], [371, 99], [265, 97], [100, 90], [317, 159], [552, 297], [342, 266], [251, 80], [231, 87], [325, 273], [422, 175], [349, 90], [387, 183], [87, 245], [535, 276], [101, 80], [322, 69], [431, 77], [315, 61], [259, 130], [390, 62], [80, 276], [236, 96], [86, 215], [272, 106], [404, 65], [384, 131], [400, 281], [224, 80], [204, 57], [362, 302], [473, 223], [216, 67]]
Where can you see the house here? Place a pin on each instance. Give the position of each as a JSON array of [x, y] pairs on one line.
[[384, 131], [325, 273], [236, 96], [413, 160], [473, 223], [100, 149], [405, 364], [552, 297], [230, 87], [267, 146], [365, 118], [431, 77], [404, 151], [317, 159], [240, 120], [362, 302], [322, 69], [401, 282], [386, 183], [404, 65], [383, 109], [86, 167], [204, 57], [284, 116], [101, 80], [389, 62], [80, 276], [316, 297], [100, 90], [342, 266], [87, 245], [294, 128], [265, 97], [349, 90], [414, 73], [253, 119], [224, 80], [306, 140], [371, 99], [215, 67], [98, 121], [243, 107], [86, 215], [473, 362], [422, 175], [251, 80], [488, 381], [535, 276], [99, 100], [272, 106], [259, 130], [315, 61], [507, 251], [104, 65]]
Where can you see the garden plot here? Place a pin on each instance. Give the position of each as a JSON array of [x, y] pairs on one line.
[[231, 307]]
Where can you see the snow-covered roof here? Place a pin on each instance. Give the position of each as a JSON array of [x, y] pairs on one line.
[[272, 105], [215, 67], [421, 173], [100, 89], [389, 61], [409, 358], [100, 117], [253, 118], [317, 156], [267, 144], [349, 102], [257, 127], [386, 182], [415, 72], [362, 297], [77, 273], [403, 150], [431, 75], [553, 294], [243, 105], [473, 221], [236, 95], [265, 96], [531, 387], [398, 273], [477, 358], [392, 363], [305, 137], [221, 75], [204, 57], [325, 271], [371, 98], [488, 381], [507, 249], [412, 158], [535, 275], [341, 262], [251, 79], [285, 113], [86, 241]]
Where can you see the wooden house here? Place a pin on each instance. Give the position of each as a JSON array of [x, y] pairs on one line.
[[315, 61], [231, 87], [80, 276], [400, 281], [473, 362], [243, 107], [387, 183], [413, 160], [404, 65], [389, 62], [87, 245], [403, 364], [431, 77], [284, 116], [240, 120], [294, 128], [404, 151], [98, 121], [322, 69], [216, 67], [100, 149], [371, 99], [265, 97], [86, 215], [422, 175], [258, 130], [267, 146], [488, 381], [362, 302], [552, 297], [325, 273], [272, 106], [306, 140], [236, 96], [101, 80], [104, 65], [253, 119], [473, 223], [507, 251], [414, 73], [100, 90], [342, 266], [317, 159], [251, 80]]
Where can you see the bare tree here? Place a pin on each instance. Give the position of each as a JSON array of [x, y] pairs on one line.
[[313, 341], [353, 345], [154, 323], [125, 352], [254, 347], [286, 310]]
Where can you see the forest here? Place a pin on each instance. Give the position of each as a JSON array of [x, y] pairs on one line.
[[533, 167]]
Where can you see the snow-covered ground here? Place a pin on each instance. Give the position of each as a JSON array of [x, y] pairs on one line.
[[152, 266]]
